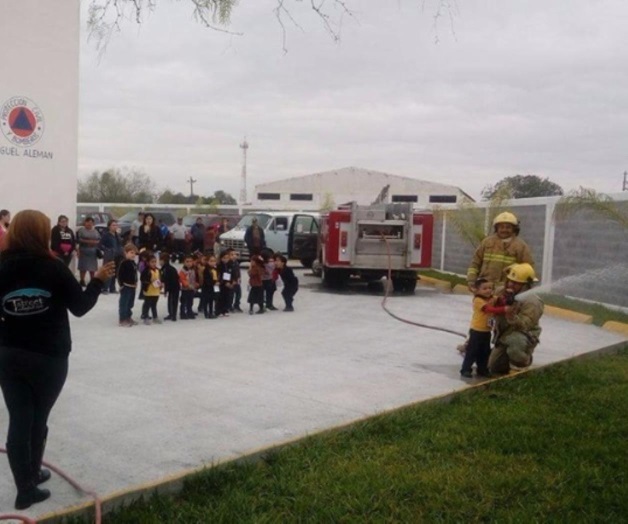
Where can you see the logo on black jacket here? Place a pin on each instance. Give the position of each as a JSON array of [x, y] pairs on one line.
[[28, 301]]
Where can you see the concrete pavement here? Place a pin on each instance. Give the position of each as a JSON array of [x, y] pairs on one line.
[[145, 403]]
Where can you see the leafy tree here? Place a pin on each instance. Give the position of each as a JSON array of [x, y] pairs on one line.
[[116, 185], [221, 197], [328, 202], [472, 222], [523, 186], [169, 197]]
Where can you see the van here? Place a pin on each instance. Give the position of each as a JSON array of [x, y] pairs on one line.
[[283, 231]]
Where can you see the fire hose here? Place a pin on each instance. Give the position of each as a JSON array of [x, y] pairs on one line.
[[73, 483], [400, 319]]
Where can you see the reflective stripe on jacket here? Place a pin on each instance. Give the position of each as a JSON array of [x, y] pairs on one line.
[[493, 255]]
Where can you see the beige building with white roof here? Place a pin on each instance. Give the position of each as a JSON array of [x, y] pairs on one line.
[[332, 188]]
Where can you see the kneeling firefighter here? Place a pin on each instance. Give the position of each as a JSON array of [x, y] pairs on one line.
[[517, 316]]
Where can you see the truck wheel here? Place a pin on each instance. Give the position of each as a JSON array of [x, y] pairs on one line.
[[307, 262], [410, 285], [404, 285], [398, 284], [317, 268], [333, 278]]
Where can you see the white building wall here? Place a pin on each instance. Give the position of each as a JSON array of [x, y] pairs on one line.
[[39, 82], [347, 185]]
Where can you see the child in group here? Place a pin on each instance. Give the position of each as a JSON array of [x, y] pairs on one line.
[[268, 282], [201, 263], [127, 279], [237, 281], [211, 287], [172, 286], [289, 279], [189, 285], [225, 274], [256, 291], [142, 264], [151, 286], [479, 344]]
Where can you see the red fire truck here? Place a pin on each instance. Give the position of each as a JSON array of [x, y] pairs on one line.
[[366, 241]]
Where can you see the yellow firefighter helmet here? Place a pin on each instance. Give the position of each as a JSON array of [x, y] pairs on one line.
[[506, 218], [522, 273]]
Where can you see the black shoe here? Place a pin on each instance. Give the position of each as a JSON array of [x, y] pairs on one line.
[[168, 317], [288, 308], [485, 373], [43, 475], [237, 310], [261, 311], [271, 308], [33, 495], [466, 374]]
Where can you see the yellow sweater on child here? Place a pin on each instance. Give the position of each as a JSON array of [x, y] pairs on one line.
[[480, 321], [152, 290]]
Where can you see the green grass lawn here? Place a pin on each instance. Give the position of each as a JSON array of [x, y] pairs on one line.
[[547, 446]]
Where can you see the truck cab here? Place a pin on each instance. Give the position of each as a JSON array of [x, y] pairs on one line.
[[292, 234]]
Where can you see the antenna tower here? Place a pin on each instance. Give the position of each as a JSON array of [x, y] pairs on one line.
[[192, 181], [244, 146], [625, 186]]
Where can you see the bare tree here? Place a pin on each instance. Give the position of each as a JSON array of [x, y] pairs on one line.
[[107, 16]]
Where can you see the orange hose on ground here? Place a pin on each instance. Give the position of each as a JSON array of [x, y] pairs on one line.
[[418, 324], [73, 483]]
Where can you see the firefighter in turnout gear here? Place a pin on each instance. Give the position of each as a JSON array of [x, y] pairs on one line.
[[517, 314], [498, 251]]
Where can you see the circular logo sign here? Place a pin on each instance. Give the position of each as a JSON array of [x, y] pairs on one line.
[[21, 121]]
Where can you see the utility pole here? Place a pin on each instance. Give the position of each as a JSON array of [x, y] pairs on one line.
[[244, 146], [192, 181], [625, 186]]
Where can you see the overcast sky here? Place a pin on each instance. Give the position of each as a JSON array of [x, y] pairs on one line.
[[517, 87]]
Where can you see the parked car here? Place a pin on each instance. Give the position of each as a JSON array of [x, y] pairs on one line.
[[285, 232], [125, 221], [210, 220], [100, 220]]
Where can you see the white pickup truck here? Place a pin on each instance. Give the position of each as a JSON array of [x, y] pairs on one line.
[[292, 234]]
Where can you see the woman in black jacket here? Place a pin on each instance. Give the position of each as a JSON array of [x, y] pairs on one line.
[[113, 251], [36, 290], [62, 240], [149, 237]]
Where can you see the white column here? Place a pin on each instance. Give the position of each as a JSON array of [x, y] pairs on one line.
[[443, 240], [39, 84], [548, 243]]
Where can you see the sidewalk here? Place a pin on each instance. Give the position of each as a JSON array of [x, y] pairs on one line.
[[144, 403]]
